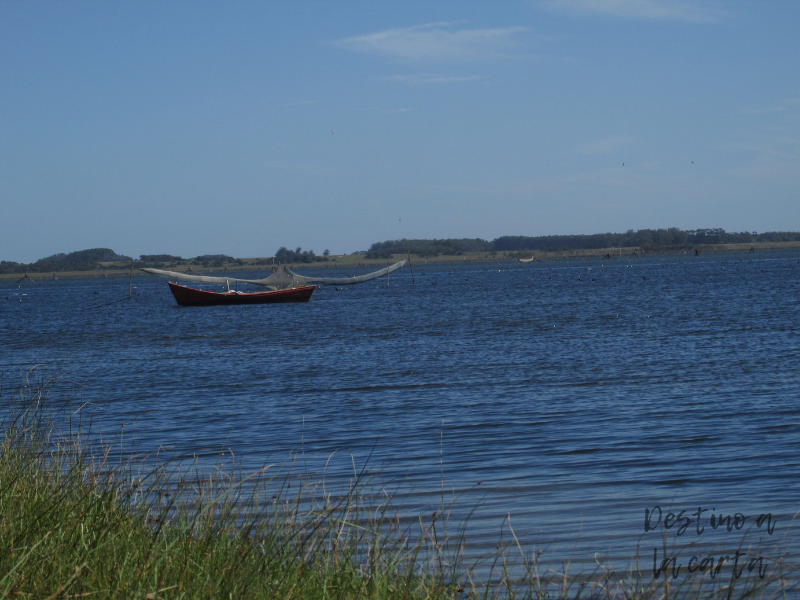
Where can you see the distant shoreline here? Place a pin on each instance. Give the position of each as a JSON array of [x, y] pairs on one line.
[[354, 260]]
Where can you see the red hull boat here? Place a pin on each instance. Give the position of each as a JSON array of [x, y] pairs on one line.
[[186, 296]]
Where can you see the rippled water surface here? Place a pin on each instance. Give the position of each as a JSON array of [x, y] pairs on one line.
[[576, 393]]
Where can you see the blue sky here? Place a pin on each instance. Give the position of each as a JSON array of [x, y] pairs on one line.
[[208, 127]]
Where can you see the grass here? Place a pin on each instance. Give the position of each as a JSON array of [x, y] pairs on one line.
[[81, 520]]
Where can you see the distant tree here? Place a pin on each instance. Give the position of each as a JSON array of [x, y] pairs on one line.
[[326, 253], [210, 257], [160, 258], [94, 255], [286, 256], [82, 260], [648, 239], [379, 253], [428, 247]]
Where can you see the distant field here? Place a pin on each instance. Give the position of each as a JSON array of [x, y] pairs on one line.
[[349, 260]]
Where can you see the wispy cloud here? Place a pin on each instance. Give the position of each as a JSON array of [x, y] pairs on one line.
[[790, 104], [605, 146], [426, 78], [764, 154], [772, 147], [439, 42], [694, 11]]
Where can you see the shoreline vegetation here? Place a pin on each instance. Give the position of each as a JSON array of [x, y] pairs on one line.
[[81, 519], [226, 264]]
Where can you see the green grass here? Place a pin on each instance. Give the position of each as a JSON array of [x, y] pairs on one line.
[[80, 521], [84, 521]]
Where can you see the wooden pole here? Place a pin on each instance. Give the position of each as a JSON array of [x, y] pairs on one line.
[[130, 282], [408, 252], [387, 274]]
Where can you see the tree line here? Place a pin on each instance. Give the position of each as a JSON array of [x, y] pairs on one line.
[[82, 260], [647, 239], [97, 258], [286, 256], [428, 248]]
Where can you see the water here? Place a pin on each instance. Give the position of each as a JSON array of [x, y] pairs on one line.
[[569, 394]]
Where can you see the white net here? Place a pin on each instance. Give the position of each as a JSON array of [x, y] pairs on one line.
[[281, 279]]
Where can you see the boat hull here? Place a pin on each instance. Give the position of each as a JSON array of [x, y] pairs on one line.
[[186, 296]]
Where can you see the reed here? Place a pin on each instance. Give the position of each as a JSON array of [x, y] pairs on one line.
[[81, 520]]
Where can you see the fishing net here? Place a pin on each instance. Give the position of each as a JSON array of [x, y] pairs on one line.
[[281, 279]]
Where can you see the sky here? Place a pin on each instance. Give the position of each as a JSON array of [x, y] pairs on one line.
[[193, 128]]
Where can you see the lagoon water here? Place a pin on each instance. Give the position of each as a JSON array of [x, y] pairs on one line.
[[570, 394]]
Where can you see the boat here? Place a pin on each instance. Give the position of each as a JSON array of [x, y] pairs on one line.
[[285, 286], [186, 296]]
